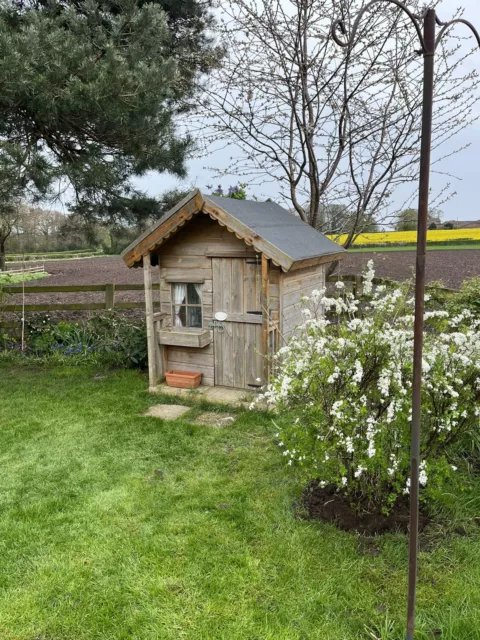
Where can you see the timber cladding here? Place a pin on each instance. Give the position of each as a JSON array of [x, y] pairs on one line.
[[293, 287], [229, 275], [233, 274], [234, 356], [188, 257]]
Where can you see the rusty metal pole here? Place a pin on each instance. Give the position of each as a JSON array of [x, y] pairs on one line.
[[424, 192], [429, 42]]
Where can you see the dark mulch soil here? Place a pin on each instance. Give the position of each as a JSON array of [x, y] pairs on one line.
[[329, 506]]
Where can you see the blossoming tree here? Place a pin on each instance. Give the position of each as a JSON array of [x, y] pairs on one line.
[[343, 387]]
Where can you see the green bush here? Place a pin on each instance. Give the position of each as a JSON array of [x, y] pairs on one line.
[[106, 337], [343, 390], [467, 298]]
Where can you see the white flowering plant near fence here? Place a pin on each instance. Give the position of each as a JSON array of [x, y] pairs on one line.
[[343, 391]]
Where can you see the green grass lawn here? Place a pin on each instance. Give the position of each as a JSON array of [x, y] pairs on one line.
[[18, 278], [116, 526]]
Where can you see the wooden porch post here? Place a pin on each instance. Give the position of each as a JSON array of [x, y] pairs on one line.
[[265, 316], [151, 337], [160, 350]]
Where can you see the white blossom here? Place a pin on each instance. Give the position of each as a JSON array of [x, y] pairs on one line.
[[345, 377]]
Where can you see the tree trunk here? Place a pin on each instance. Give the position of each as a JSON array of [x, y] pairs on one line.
[[332, 267], [3, 262]]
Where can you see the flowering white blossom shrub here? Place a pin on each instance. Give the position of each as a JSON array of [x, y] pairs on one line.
[[343, 391]]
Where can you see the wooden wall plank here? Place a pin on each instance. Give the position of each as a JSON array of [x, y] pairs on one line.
[[194, 356], [185, 262], [201, 236], [181, 275], [190, 366], [208, 349], [237, 266], [253, 286], [296, 283], [238, 354], [218, 305], [265, 313], [294, 286]]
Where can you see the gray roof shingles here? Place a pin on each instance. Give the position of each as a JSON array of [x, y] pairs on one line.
[[268, 220], [278, 226]]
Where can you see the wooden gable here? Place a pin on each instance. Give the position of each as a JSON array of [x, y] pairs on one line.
[[196, 203]]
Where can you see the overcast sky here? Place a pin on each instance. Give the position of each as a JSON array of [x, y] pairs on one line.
[[464, 206]]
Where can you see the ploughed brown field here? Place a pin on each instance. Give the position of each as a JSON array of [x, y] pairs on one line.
[[84, 271], [452, 267]]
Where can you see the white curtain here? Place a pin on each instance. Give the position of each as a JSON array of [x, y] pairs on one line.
[[179, 295], [198, 290], [197, 311]]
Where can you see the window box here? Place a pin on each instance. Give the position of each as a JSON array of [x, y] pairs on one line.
[[199, 339]]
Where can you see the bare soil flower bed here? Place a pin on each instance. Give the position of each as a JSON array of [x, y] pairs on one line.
[[327, 505]]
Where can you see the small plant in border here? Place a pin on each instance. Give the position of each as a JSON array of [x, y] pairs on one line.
[[107, 337], [343, 391]]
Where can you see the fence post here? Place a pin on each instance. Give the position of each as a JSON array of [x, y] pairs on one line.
[[109, 296], [357, 286]]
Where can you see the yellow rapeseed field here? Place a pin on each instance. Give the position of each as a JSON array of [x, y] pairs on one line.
[[400, 237]]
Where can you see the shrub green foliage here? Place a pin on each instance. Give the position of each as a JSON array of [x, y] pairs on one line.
[[106, 338], [345, 382], [17, 278], [468, 298]]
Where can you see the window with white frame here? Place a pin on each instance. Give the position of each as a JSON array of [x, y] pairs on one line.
[[187, 305]]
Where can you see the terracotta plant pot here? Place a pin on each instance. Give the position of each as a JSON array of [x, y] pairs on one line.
[[183, 379]]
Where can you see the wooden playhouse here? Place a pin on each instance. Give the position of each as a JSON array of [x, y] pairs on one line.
[[230, 275]]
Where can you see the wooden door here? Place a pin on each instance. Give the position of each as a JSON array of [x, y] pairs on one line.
[[238, 339]]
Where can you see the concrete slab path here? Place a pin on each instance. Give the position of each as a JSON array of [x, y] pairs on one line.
[[220, 395], [166, 411]]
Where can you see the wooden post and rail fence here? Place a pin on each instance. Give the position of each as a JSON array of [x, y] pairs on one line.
[[110, 302], [19, 272]]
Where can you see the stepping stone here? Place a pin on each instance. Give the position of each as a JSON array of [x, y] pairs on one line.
[[213, 419], [166, 411], [219, 395]]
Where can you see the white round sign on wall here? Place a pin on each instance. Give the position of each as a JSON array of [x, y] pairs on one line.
[[220, 316]]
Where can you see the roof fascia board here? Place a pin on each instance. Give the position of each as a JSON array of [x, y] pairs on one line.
[[160, 231], [312, 262]]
